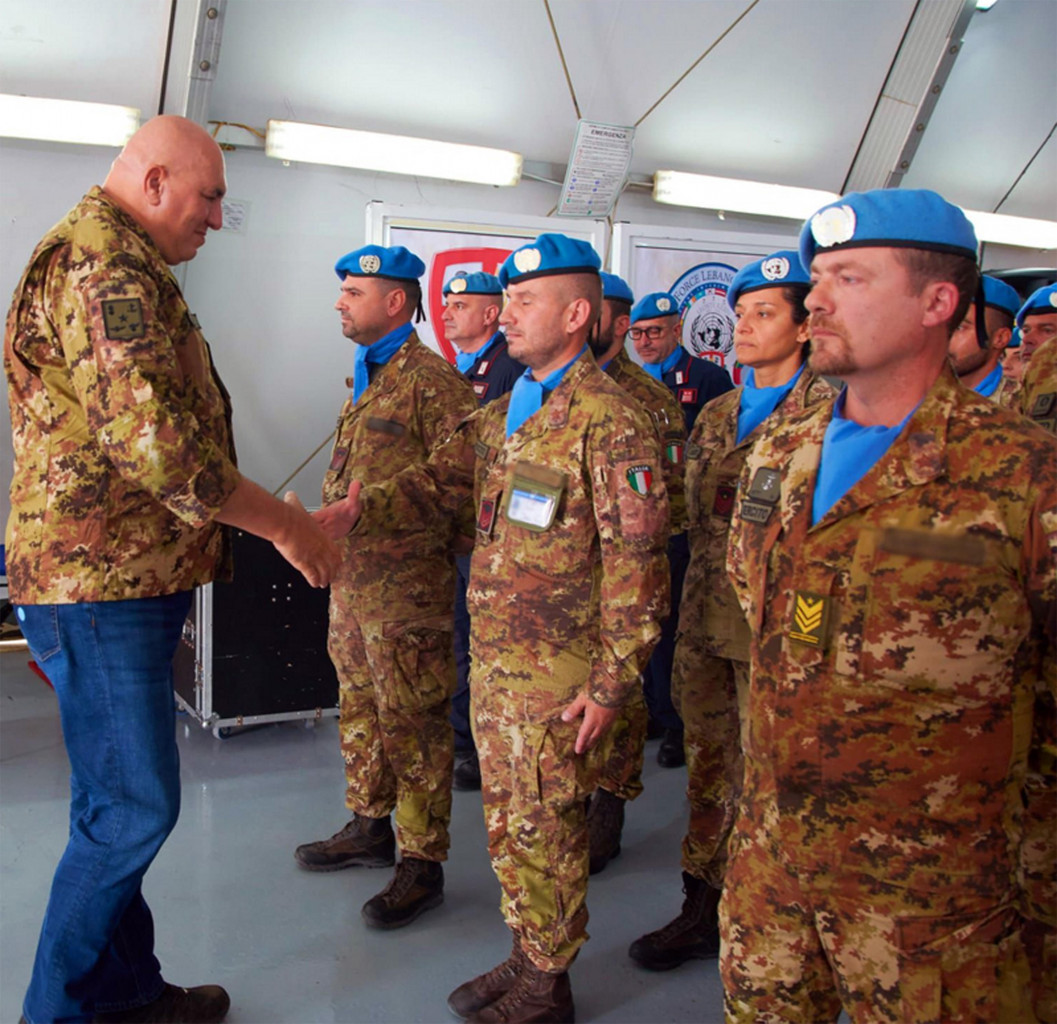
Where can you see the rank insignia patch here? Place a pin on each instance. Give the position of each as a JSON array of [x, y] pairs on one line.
[[480, 388], [123, 319], [763, 495], [810, 613], [687, 396], [641, 479]]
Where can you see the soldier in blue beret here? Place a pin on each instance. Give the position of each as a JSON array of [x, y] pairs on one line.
[[894, 550], [979, 365], [1037, 319], [472, 303], [391, 603]]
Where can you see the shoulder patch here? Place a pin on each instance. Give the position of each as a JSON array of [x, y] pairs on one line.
[[123, 319], [641, 479]]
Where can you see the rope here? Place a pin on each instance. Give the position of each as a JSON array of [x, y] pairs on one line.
[[561, 53], [1025, 171], [672, 88], [275, 493]]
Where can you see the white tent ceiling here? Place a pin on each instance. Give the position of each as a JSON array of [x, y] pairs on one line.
[[785, 97]]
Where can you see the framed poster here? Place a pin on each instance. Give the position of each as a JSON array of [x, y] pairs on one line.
[[462, 240], [696, 266]]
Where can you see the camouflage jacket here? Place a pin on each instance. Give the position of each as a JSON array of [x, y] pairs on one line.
[[569, 576], [710, 616], [889, 724], [412, 404], [121, 426], [1038, 395], [1007, 394], [667, 416]]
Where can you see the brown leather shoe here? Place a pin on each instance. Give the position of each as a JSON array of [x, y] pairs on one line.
[[416, 886], [693, 935], [205, 1004], [363, 842], [477, 993], [605, 823], [537, 997]]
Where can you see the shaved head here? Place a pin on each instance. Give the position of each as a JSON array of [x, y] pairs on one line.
[[170, 179]]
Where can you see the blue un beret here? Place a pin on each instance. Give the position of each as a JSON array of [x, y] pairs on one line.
[[1000, 295], [774, 271], [477, 283], [548, 255], [396, 263], [900, 218], [1042, 300], [1015, 340], [651, 306], [614, 287]]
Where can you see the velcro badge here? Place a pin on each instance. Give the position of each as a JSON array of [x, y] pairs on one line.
[[674, 451], [810, 618], [641, 479], [1043, 405], [693, 451], [123, 319], [390, 427], [482, 451], [763, 495], [687, 396]]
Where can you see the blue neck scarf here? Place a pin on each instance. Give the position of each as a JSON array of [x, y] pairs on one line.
[[464, 360], [758, 403], [658, 370], [380, 353], [526, 397], [849, 452], [989, 385]]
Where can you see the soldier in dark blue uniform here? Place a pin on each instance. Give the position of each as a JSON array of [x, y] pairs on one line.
[[472, 303], [654, 332]]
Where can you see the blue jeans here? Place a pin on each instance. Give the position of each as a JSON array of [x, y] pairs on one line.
[[111, 665]]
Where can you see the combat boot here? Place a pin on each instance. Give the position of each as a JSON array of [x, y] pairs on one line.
[[363, 842], [467, 773], [671, 753], [204, 1004], [485, 989], [693, 935], [605, 823], [537, 997], [416, 886]]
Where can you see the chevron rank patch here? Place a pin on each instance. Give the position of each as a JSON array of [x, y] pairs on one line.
[[810, 618], [123, 319], [641, 479]]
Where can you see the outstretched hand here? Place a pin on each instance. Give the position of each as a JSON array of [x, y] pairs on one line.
[[597, 719], [338, 518], [306, 547]]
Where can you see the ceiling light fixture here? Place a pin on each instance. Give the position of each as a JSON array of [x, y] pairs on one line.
[[737, 196], [394, 154], [1001, 229], [93, 124]]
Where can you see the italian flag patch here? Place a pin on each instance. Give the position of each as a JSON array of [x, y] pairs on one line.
[[674, 451], [640, 478]]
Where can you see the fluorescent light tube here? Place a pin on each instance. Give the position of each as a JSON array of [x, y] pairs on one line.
[[394, 154], [737, 196], [1004, 230], [94, 124]]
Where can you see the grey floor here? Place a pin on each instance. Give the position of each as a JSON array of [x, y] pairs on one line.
[[231, 907]]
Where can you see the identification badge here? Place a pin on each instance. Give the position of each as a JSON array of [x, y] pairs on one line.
[[687, 396], [763, 495], [480, 388], [338, 459], [679, 376], [123, 319], [482, 367], [486, 517], [810, 617], [723, 503], [532, 501]]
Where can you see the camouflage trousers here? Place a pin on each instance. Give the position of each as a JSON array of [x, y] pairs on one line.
[[799, 942], [534, 788], [395, 684], [708, 693], [623, 748]]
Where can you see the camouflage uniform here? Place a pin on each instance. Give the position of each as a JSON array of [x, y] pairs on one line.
[[876, 857], [625, 742], [557, 612], [120, 424], [1038, 396], [390, 635], [1007, 394], [711, 671]]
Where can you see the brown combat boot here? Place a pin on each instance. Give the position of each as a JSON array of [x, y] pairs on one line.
[[605, 823], [537, 997], [363, 842], [479, 992], [693, 935], [416, 886], [205, 1004]]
